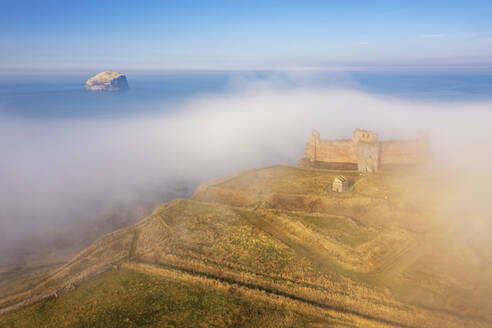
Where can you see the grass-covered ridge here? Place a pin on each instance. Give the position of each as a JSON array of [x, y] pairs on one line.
[[128, 298], [281, 237]]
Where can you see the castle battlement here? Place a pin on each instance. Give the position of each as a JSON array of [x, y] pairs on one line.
[[364, 136], [364, 152]]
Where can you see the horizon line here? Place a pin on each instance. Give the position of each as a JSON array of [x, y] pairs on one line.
[[482, 67]]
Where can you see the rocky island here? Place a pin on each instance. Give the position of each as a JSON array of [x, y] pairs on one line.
[[107, 81]]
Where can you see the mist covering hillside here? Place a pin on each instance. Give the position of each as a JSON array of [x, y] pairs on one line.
[[68, 176], [86, 211]]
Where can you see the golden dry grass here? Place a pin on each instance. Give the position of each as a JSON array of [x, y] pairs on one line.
[[377, 255]]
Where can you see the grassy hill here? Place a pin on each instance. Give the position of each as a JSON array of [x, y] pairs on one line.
[[275, 247]]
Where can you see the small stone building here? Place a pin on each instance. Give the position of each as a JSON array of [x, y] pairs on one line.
[[340, 184]]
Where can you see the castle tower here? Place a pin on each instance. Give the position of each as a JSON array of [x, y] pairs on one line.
[[364, 135], [368, 150], [312, 145], [368, 156]]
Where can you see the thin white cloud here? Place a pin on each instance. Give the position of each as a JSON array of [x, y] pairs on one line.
[[433, 36]]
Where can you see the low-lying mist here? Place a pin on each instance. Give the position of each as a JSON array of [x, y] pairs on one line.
[[63, 176]]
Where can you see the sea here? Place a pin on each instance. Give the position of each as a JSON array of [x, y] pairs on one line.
[[46, 96]]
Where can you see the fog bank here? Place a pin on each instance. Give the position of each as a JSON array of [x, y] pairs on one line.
[[58, 173]]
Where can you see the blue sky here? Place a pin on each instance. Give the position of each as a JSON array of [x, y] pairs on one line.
[[228, 34]]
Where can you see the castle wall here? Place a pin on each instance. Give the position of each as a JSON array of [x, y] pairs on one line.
[[337, 151], [403, 152], [363, 152], [332, 151]]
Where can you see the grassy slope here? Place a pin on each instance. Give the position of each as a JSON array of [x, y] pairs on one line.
[[14, 280], [282, 237], [127, 298]]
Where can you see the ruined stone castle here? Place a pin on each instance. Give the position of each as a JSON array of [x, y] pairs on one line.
[[364, 152]]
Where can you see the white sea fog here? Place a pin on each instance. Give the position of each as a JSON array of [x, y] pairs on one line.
[[75, 165]]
